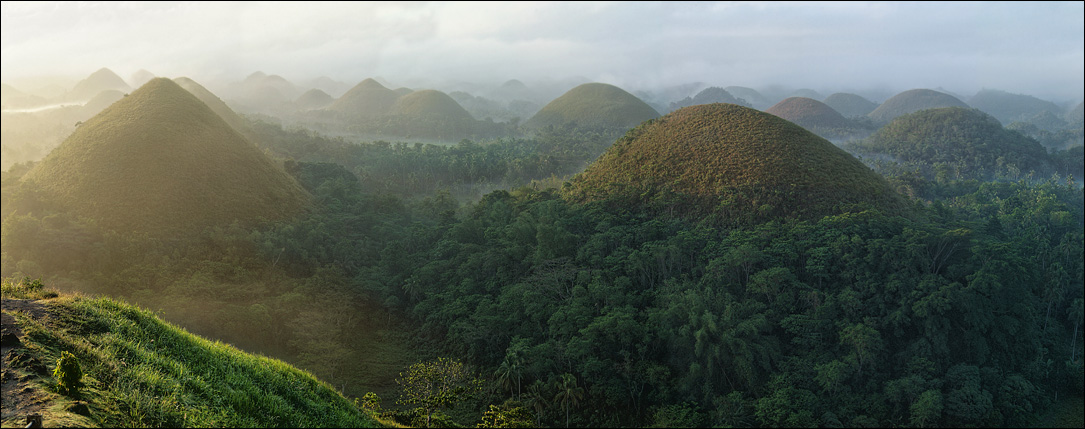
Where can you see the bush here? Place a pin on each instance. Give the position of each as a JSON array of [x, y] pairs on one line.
[[68, 374]]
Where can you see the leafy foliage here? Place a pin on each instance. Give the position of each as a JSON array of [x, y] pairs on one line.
[[67, 374]]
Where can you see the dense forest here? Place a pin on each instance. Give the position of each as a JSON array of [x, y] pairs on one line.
[[960, 304]]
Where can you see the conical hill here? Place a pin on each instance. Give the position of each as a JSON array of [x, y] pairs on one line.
[[161, 161], [314, 99], [808, 113], [216, 104], [430, 104], [594, 105], [102, 80], [732, 161], [849, 105], [911, 101], [368, 99]]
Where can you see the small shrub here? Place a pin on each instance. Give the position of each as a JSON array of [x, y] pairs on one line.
[[68, 374]]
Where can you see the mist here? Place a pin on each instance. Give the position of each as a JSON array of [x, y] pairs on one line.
[[863, 47]]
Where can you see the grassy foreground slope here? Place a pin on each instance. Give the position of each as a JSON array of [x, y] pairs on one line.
[[140, 371]]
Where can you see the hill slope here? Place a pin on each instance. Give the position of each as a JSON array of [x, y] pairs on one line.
[[139, 371], [1007, 107], [734, 161], [366, 100], [594, 105], [850, 105], [912, 101], [161, 161], [808, 113]]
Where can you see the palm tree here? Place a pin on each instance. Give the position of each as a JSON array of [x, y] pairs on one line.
[[511, 371], [569, 394], [536, 399]]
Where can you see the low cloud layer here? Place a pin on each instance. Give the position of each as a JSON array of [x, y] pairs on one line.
[[1030, 48]]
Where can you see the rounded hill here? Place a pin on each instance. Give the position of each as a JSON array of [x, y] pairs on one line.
[[102, 80], [430, 104], [732, 161], [594, 105], [161, 161], [756, 99], [966, 137], [850, 105], [911, 101], [215, 104], [809, 113], [366, 100], [314, 99], [1008, 108]]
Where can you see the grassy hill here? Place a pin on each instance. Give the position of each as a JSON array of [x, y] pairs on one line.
[[161, 161], [366, 100], [752, 96], [140, 371], [966, 137], [850, 105], [101, 80], [430, 104], [912, 101], [732, 161], [808, 113], [594, 105], [314, 99], [216, 104], [1007, 107]]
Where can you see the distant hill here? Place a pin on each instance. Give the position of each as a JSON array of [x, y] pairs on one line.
[[732, 161], [594, 105], [809, 113], [912, 101], [102, 80], [850, 105], [712, 94], [163, 162], [366, 100], [314, 99], [756, 99], [216, 104], [140, 77], [968, 138], [128, 355], [1007, 107], [11, 98], [101, 101], [1076, 117], [430, 104]]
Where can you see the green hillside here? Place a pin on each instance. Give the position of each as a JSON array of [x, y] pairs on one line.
[[968, 138], [140, 371], [429, 104], [594, 105], [808, 113], [366, 100], [1007, 107], [850, 105], [733, 161], [216, 104], [912, 101], [161, 161]]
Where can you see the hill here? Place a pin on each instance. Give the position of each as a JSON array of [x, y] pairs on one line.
[[161, 161], [756, 99], [850, 105], [594, 105], [712, 94], [1076, 116], [216, 104], [809, 113], [314, 99], [140, 371], [737, 162], [912, 101], [102, 80], [1008, 108], [966, 137], [366, 100], [430, 104]]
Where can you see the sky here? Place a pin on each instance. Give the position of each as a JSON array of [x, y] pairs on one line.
[[1034, 48]]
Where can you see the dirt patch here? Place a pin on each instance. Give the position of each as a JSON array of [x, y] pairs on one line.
[[20, 395]]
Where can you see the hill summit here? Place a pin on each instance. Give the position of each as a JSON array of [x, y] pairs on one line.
[[913, 100], [808, 113], [366, 100], [161, 161], [594, 105], [732, 161]]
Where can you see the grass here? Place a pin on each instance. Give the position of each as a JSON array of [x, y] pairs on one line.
[[140, 371], [594, 105]]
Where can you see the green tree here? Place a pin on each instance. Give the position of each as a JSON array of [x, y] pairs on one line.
[[437, 384], [68, 374], [511, 414], [569, 394]]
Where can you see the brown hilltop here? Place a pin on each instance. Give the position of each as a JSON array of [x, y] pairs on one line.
[[732, 161], [368, 99], [808, 113], [594, 105], [162, 162]]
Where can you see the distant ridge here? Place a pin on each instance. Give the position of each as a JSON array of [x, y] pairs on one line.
[[161, 161], [430, 104], [1007, 107], [732, 161], [911, 101], [314, 99], [594, 105], [216, 104]]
